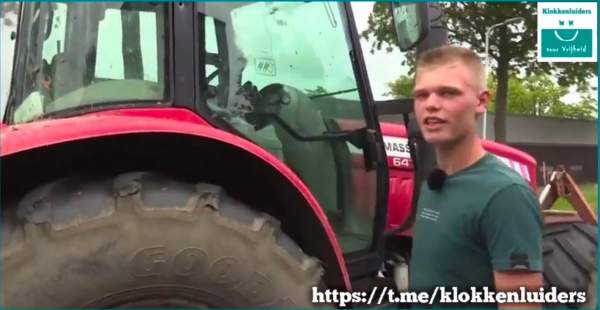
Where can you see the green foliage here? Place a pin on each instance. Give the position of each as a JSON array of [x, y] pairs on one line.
[[540, 96], [466, 23], [381, 27], [532, 95], [587, 108], [535, 95], [401, 87]]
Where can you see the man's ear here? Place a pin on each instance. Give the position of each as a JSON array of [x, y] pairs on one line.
[[483, 99]]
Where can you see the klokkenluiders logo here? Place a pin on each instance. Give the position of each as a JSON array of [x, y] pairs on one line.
[[567, 31]]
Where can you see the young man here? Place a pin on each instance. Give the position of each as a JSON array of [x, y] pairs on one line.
[[482, 227]]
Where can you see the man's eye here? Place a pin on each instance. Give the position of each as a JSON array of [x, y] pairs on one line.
[[420, 96], [448, 93]]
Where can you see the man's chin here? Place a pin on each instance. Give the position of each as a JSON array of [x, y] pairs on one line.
[[436, 140]]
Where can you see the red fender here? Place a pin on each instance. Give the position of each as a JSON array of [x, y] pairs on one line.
[[23, 137]]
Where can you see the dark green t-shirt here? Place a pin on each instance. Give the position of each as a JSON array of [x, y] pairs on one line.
[[485, 218]]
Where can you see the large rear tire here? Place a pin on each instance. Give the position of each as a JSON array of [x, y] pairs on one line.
[[142, 239], [570, 260]]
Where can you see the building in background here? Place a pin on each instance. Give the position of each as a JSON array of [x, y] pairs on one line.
[[551, 141], [554, 141]]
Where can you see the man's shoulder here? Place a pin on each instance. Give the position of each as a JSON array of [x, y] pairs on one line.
[[500, 174], [509, 188], [492, 177]]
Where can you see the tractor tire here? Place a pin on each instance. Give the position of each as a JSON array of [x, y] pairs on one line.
[[145, 240], [570, 256]]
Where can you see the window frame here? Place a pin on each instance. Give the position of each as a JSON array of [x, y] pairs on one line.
[[19, 62]]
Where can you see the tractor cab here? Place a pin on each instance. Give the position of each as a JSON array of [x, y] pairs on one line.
[[287, 76]]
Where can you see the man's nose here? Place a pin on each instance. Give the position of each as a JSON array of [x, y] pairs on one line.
[[432, 102]]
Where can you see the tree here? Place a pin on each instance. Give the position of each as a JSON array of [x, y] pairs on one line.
[[402, 87], [511, 48], [536, 95], [587, 108], [532, 95]]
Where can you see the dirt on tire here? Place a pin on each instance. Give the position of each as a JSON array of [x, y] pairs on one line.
[[144, 239]]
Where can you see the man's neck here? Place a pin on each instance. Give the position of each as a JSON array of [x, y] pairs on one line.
[[459, 155]]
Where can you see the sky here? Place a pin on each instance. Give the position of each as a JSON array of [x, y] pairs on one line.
[[383, 67]]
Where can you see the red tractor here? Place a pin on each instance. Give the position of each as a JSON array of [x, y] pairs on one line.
[[215, 154]]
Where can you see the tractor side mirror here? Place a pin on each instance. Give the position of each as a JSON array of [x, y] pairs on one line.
[[411, 22]]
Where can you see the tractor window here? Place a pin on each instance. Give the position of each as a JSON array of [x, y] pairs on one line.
[[277, 72], [75, 56], [211, 68], [54, 44], [110, 64]]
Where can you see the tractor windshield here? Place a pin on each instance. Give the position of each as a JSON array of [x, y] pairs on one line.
[[281, 74], [73, 56], [255, 45]]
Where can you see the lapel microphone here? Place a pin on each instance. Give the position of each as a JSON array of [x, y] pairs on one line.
[[436, 179]]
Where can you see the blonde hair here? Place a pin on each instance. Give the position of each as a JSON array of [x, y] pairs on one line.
[[447, 54]]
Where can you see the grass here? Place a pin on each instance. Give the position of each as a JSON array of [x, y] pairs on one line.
[[590, 191]]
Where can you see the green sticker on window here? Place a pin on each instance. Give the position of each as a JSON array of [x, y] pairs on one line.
[[265, 66]]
